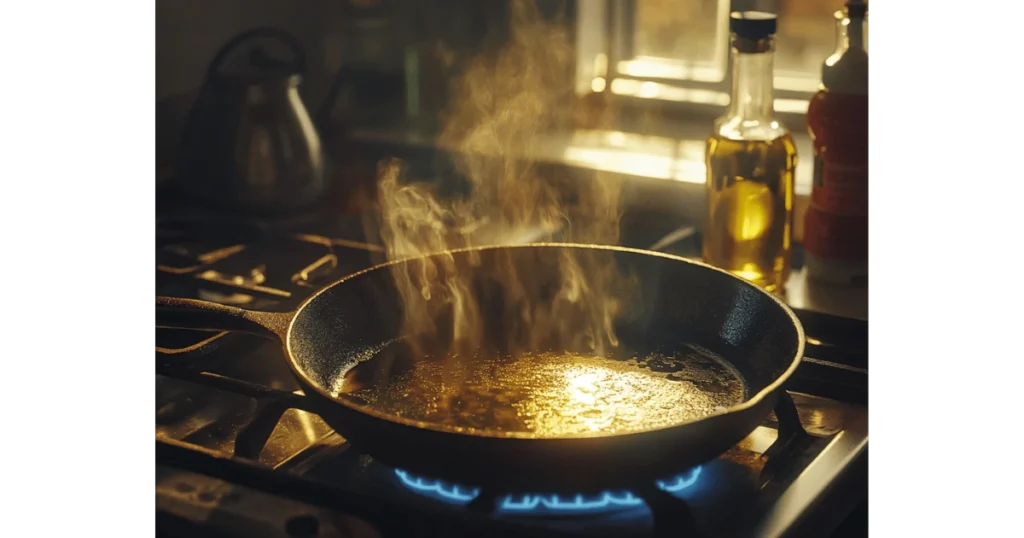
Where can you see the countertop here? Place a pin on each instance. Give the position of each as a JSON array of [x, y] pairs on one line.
[[668, 169], [649, 156]]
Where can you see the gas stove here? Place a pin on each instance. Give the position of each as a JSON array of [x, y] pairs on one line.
[[238, 456]]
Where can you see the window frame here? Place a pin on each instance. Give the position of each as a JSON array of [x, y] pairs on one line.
[[606, 43]]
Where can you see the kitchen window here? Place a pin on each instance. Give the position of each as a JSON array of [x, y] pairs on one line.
[[678, 52]]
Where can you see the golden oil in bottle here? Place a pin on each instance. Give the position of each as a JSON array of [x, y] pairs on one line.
[[750, 159], [750, 208]]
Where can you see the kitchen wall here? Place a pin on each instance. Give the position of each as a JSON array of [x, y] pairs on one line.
[[375, 38]]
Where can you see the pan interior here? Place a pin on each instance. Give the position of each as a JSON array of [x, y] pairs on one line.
[[695, 342], [548, 393]]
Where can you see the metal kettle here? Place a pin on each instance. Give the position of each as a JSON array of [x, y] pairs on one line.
[[249, 143]]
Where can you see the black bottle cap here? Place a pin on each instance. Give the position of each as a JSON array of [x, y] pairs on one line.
[[752, 24], [856, 9]]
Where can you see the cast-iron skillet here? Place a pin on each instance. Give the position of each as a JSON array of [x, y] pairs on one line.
[[677, 303]]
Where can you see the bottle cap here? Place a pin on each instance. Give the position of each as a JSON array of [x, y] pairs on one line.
[[752, 24], [856, 9]]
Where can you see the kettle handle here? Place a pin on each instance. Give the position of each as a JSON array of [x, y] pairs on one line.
[[298, 53]]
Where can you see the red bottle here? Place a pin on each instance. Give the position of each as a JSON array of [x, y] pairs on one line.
[[836, 223]]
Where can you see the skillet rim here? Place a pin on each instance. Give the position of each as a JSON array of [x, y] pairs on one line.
[[745, 405]]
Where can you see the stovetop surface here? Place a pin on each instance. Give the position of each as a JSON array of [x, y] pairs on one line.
[[213, 387]]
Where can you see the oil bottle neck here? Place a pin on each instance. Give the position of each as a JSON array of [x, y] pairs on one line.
[[855, 33], [752, 85]]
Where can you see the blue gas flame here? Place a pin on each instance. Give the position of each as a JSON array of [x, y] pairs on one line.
[[529, 502]]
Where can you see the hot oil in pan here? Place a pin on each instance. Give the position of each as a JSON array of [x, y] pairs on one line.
[[547, 394]]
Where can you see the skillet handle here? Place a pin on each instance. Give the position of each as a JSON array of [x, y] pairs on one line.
[[178, 313], [214, 343]]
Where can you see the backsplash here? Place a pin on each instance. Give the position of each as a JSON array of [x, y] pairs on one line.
[[402, 53], [376, 38]]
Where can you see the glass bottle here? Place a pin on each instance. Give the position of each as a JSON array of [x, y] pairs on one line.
[[750, 161], [836, 223]]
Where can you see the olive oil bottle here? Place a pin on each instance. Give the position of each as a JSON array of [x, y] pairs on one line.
[[751, 159]]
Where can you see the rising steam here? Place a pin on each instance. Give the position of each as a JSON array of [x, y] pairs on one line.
[[507, 300]]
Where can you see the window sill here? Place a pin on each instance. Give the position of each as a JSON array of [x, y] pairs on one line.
[[663, 173], [650, 200]]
